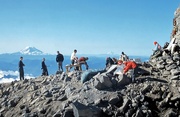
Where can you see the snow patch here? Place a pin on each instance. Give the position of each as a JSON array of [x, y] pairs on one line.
[[9, 76]]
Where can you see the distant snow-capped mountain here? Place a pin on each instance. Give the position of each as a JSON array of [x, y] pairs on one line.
[[30, 51]]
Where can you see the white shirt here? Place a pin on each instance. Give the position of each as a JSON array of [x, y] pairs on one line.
[[73, 56]]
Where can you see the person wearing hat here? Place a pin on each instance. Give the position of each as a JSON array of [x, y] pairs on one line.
[[157, 46]]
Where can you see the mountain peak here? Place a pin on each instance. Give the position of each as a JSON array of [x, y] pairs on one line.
[[31, 51]]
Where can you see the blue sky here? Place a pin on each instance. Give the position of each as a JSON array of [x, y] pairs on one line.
[[90, 26]]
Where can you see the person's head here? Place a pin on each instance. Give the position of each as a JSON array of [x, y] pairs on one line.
[[122, 53], [75, 51], [43, 59], [57, 52], [21, 58], [120, 62], [86, 58], [155, 42]]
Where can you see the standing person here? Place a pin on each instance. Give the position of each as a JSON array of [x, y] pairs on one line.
[[21, 69], [44, 68], [83, 60], [73, 58], [124, 57], [59, 60]]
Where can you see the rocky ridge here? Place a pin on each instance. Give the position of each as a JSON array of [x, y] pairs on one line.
[[156, 92]]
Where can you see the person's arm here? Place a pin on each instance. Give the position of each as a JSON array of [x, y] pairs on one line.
[[126, 68], [62, 58], [57, 58], [19, 64]]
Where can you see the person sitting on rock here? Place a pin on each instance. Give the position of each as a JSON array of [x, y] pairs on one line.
[[109, 62], [119, 68], [130, 66], [115, 60], [82, 60], [157, 46], [124, 57], [157, 50]]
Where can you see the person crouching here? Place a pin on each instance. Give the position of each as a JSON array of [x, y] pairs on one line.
[[130, 66], [82, 60]]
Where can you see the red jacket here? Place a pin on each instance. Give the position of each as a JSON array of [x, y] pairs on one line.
[[82, 59], [129, 65]]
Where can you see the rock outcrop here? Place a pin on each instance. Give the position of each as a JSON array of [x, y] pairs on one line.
[[156, 92]]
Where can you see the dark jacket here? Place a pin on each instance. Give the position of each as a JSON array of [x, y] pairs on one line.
[[109, 61], [44, 69], [21, 64], [59, 58], [43, 65]]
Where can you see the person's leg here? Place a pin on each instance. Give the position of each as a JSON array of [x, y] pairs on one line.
[[86, 65], [58, 66], [46, 72], [61, 66], [22, 74], [132, 75], [72, 62], [43, 72]]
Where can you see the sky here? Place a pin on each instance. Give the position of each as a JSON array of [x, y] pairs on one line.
[[90, 26]]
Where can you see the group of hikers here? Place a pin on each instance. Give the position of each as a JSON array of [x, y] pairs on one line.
[[168, 48], [125, 63], [59, 59], [124, 59]]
